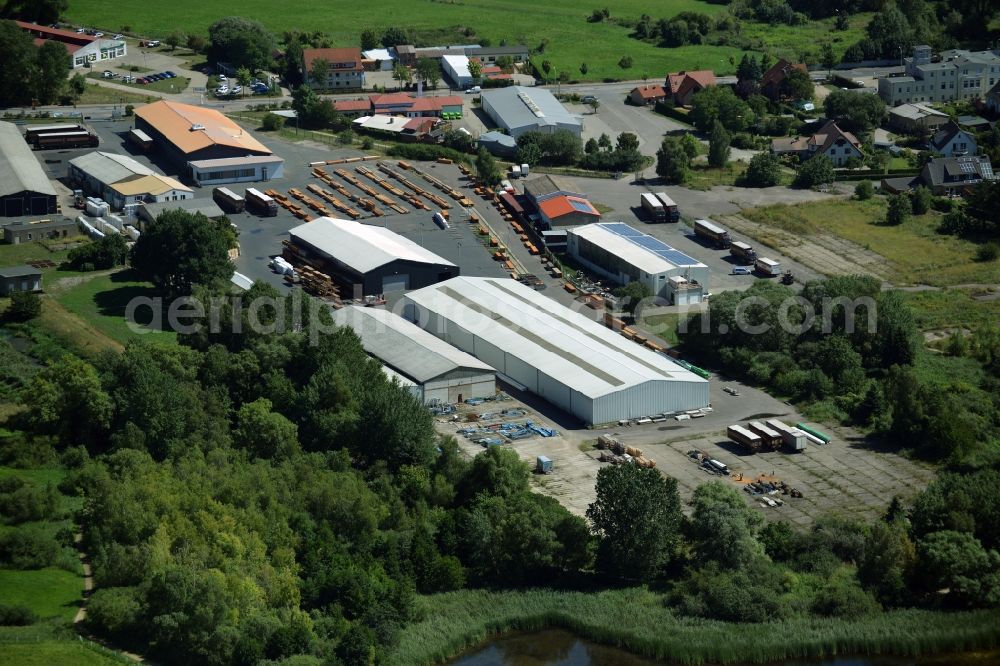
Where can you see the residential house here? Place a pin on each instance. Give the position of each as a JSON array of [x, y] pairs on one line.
[[916, 119], [956, 75], [953, 141], [993, 98], [683, 85], [647, 95], [343, 70], [770, 82], [403, 104], [830, 140], [945, 176]]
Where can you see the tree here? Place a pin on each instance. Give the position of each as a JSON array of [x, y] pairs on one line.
[[816, 171], [633, 295], [487, 169], [625, 62], [864, 190], [604, 141], [319, 73], [369, 39], [797, 85], [78, 85], [591, 146], [241, 43], [594, 104], [529, 153], [584, 69], [181, 249], [402, 74], [898, 210], [636, 516], [958, 563], [475, 69], [428, 71], [174, 39], [627, 141], [888, 562], [720, 103], [42, 12], [672, 161], [505, 63], [196, 43], [690, 144], [921, 200], [244, 78], [890, 33], [272, 122], [724, 528], [394, 37], [107, 252], [24, 306], [828, 57], [69, 403], [49, 80], [718, 146], [764, 170], [265, 433], [854, 111]]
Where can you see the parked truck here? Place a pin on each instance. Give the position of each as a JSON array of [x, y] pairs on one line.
[[673, 213], [653, 207], [743, 252], [32, 132], [793, 438], [767, 267], [260, 203], [769, 436], [748, 440], [228, 200], [713, 233], [140, 140]]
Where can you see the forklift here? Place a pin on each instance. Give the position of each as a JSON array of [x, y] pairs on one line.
[[787, 278]]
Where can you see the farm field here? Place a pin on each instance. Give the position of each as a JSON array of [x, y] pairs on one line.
[[46, 653], [571, 39], [49, 592]]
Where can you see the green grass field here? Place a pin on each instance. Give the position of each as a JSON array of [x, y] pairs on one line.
[[572, 40], [95, 94], [53, 653], [100, 301], [50, 592], [916, 253]]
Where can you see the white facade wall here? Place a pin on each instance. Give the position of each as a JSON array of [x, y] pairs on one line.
[[97, 52], [247, 173]]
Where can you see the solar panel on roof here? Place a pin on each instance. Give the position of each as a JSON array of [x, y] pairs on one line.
[[968, 167], [987, 170], [649, 243], [581, 206]]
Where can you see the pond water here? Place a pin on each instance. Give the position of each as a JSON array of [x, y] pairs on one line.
[[554, 647]]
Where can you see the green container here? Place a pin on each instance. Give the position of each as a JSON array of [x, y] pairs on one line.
[[815, 433]]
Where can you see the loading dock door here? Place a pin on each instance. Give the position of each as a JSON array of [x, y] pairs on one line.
[[13, 207], [395, 283]]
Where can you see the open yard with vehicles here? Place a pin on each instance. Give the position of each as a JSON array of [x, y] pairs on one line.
[[173, 85], [844, 236], [562, 25]]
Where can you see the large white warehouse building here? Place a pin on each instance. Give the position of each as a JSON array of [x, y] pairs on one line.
[[624, 254], [560, 355], [432, 369]]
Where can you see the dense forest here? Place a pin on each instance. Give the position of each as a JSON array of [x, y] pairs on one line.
[[271, 497]]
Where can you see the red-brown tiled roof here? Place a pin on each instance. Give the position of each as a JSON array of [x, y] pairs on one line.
[[650, 92], [45, 32], [334, 56], [348, 105], [564, 205], [703, 77], [779, 71]]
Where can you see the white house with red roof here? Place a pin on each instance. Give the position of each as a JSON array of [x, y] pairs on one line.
[[343, 68], [83, 49], [830, 140]]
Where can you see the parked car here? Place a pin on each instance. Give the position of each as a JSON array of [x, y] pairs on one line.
[[108, 74], [170, 75], [153, 43], [473, 90], [98, 34], [259, 88], [142, 80], [587, 99], [119, 36], [237, 90], [80, 31]]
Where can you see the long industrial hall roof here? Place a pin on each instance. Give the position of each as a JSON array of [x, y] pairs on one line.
[[19, 168], [643, 251], [404, 346], [569, 347]]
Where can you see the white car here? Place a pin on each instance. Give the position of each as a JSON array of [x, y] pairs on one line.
[[119, 36], [237, 90], [153, 44], [222, 90], [98, 34]]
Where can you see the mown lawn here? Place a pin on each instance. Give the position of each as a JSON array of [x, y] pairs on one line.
[[50, 592], [172, 86], [101, 302], [54, 652], [915, 252], [95, 94]]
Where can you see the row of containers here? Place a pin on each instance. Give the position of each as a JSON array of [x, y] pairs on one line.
[[101, 227], [773, 434]]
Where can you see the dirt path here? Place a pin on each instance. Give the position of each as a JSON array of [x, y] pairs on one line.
[[824, 253]]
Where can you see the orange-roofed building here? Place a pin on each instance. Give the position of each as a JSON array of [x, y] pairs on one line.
[[565, 210], [209, 147], [770, 82], [683, 85], [647, 95], [344, 68]]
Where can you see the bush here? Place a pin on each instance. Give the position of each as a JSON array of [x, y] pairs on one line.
[[898, 211], [864, 190], [28, 547], [129, 110], [815, 172], [16, 616], [988, 252], [21, 501], [24, 306], [272, 122], [764, 170], [921, 200]]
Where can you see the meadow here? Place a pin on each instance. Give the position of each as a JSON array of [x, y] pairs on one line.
[[915, 252], [637, 620], [562, 24]]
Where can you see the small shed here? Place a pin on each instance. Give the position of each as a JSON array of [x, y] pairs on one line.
[[543, 465], [20, 278]]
